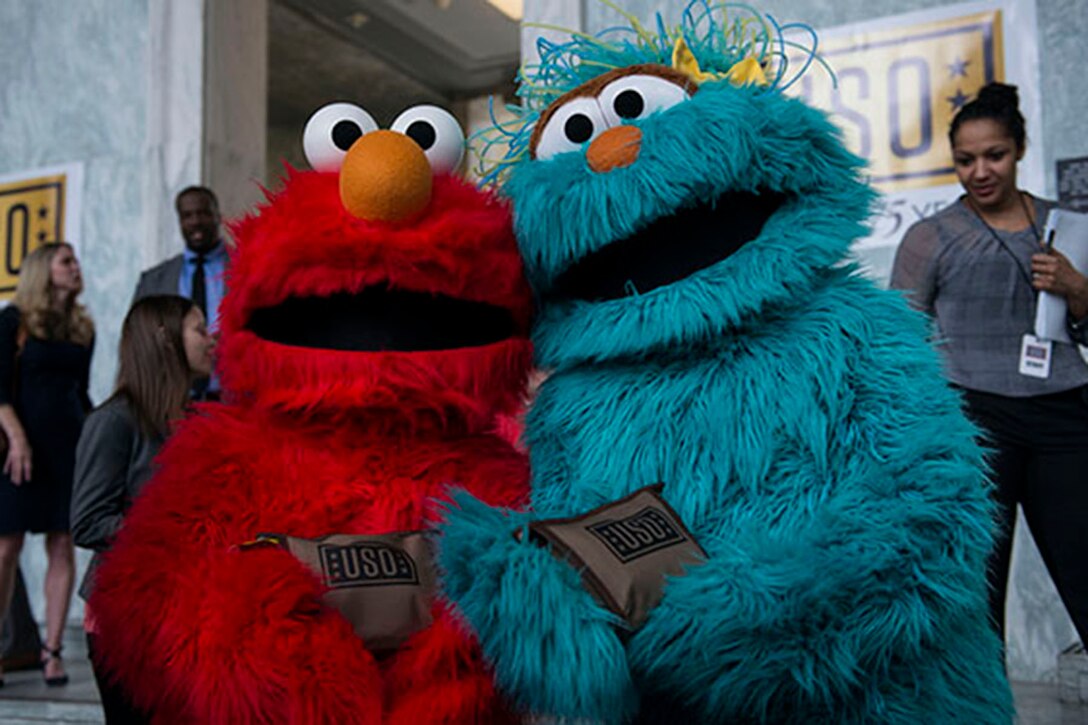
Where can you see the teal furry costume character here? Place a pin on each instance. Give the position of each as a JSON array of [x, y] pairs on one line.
[[685, 226]]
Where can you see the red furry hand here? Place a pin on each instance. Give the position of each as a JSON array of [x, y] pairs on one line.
[[287, 656], [233, 636]]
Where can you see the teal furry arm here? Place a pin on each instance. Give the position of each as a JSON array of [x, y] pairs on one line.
[[790, 623], [816, 583], [552, 647]]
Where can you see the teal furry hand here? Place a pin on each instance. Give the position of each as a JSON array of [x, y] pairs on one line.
[[525, 605]]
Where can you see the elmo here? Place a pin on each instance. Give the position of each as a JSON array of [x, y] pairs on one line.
[[686, 226], [373, 344]]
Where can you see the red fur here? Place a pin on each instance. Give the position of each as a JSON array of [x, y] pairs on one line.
[[316, 442], [304, 243]]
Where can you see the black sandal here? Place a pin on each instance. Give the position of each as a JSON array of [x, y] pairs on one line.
[[53, 654]]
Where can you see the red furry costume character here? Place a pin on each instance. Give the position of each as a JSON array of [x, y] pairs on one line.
[[373, 336]]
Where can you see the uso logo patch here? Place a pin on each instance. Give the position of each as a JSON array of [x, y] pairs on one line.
[[366, 564], [640, 534]]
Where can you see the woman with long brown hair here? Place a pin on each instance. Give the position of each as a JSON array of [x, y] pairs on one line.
[[46, 341], [165, 346]]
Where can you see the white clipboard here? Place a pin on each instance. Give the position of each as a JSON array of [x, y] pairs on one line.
[[1071, 239]]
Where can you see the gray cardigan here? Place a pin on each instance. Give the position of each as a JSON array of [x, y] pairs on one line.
[[114, 459]]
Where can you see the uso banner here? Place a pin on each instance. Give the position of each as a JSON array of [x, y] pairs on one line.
[[899, 81], [36, 207]]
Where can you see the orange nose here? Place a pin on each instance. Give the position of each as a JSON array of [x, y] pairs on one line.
[[385, 177], [615, 148]]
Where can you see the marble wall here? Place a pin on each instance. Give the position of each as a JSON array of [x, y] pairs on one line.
[[1038, 626], [150, 96], [73, 89], [174, 108]]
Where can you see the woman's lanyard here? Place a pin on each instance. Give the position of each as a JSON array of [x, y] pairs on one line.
[[993, 232], [1035, 354]]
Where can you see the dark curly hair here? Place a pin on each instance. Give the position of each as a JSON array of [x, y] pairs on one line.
[[998, 102]]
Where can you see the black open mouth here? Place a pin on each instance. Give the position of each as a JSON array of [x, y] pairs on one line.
[[669, 249], [381, 319]]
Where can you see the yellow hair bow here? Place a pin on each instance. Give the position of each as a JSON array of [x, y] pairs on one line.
[[741, 73]]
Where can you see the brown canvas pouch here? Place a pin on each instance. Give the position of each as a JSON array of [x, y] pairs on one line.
[[624, 550], [383, 584]]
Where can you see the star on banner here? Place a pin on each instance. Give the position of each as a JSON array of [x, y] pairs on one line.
[[958, 100], [958, 67]]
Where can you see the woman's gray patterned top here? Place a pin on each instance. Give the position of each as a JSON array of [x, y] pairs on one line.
[[980, 295]]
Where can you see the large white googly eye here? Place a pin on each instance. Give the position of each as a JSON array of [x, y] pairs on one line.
[[570, 127], [437, 132], [331, 131], [637, 96]]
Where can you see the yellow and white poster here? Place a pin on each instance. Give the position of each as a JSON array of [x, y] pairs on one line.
[[36, 207], [899, 81]]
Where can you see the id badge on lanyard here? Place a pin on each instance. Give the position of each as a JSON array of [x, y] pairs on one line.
[[1035, 355]]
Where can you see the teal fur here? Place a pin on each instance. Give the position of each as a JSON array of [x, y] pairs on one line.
[[723, 139], [718, 34], [493, 584], [802, 428]]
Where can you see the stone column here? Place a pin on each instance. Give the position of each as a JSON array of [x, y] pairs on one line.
[[175, 107], [206, 114], [235, 108]]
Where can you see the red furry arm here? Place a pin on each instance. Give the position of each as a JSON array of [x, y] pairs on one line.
[[440, 678], [198, 630]]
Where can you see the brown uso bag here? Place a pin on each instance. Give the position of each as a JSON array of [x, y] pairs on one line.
[[624, 550], [383, 584]]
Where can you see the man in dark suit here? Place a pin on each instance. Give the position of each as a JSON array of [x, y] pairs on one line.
[[196, 273]]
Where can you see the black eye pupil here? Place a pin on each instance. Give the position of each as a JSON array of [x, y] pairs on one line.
[[422, 133], [345, 133], [629, 104], [578, 128]]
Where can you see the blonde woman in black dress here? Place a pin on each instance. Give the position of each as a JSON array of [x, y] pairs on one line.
[[46, 340]]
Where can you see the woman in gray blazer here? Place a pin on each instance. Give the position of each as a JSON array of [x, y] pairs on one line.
[[164, 347]]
